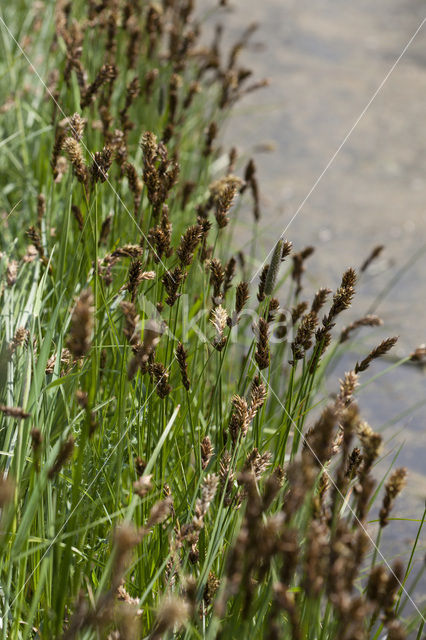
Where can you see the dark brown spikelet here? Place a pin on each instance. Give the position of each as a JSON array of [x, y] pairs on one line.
[[249, 171], [148, 84], [56, 151], [106, 73], [376, 585], [181, 357], [382, 589], [172, 281], [212, 585], [272, 274], [133, 280], [354, 463], [217, 276], [240, 420], [349, 279], [161, 375], [258, 394], [250, 181], [132, 92], [143, 352], [73, 150], [135, 184], [320, 299], [133, 47], [393, 488], [107, 119], [273, 484], [153, 26], [206, 452], [304, 335], [318, 441], [366, 321], [128, 251], [105, 231], [297, 311], [262, 280], [241, 296], [193, 90], [34, 236], [341, 300], [232, 159], [287, 248], [394, 583], [371, 445], [188, 244], [187, 190], [36, 442], [160, 236], [224, 204], [206, 251], [79, 340], [160, 177], [242, 260], [14, 412], [101, 164], [64, 455], [273, 307], [262, 354], [20, 338], [41, 207], [210, 137], [118, 144], [299, 266], [130, 321], [227, 477], [377, 352], [229, 274], [140, 466], [347, 389], [174, 85], [375, 253], [257, 463], [76, 127]]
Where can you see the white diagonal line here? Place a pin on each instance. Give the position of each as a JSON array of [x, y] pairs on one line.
[[269, 387], [137, 225], [88, 488], [82, 143], [345, 139], [324, 469]]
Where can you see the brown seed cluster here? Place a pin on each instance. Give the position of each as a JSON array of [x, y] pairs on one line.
[[244, 412], [247, 508], [377, 352], [181, 357], [262, 354], [75, 154], [366, 321], [14, 412], [80, 337]]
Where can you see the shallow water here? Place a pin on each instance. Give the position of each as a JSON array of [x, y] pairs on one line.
[[326, 60]]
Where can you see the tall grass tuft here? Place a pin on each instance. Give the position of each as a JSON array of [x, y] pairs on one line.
[[169, 467]]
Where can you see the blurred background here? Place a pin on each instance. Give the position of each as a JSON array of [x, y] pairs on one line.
[[325, 60]]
